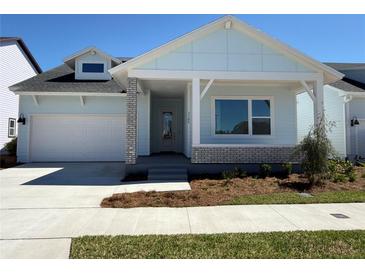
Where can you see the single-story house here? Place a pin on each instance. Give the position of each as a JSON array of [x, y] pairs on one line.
[[344, 104], [16, 64], [222, 94]]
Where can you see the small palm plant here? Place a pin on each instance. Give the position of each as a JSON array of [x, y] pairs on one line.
[[315, 150]]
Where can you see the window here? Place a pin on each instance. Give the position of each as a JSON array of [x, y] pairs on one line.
[[242, 116], [92, 68], [167, 125], [261, 118], [11, 127], [231, 117]]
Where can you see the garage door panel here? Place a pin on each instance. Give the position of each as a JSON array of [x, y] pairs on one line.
[[77, 138]]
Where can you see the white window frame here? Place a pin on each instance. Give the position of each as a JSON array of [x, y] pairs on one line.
[[93, 63], [11, 128], [249, 99]]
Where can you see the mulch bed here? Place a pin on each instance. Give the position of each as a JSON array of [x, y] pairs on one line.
[[208, 192]]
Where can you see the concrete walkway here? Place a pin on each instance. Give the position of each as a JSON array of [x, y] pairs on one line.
[[46, 232]]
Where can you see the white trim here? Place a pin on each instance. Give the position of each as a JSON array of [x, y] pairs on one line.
[[206, 88], [308, 90], [56, 93], [241, 26], [11, 128], [348, 128], [82, 101], [249, 99], [146, 74], [87, 50], [81, 75], [344, 126], [149, 121], [195, 111], [35, 100], [77, 114], [355, 94], [244, 145]]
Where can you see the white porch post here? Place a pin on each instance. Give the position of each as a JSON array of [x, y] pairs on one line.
[[195, 111], [318, 102]]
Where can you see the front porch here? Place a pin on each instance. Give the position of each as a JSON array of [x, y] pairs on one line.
[[190, 117]]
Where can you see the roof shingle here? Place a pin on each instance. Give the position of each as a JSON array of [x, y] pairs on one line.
[[62, 79]]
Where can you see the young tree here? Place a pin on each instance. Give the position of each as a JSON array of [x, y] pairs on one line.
[[315, 150]]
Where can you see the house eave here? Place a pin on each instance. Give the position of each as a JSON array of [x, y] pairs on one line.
[[55, 93]]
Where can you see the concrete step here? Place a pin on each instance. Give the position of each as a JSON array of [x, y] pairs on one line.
[[166, 170], [174, 174]]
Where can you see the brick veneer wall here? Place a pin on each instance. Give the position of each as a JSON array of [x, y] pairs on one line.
[[237, 154], [131, 133]]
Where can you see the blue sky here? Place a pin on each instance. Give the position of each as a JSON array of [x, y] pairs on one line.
[[336, 38]]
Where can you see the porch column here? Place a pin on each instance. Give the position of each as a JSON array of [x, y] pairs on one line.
[[318, 102], [195, 111], [131, 132]]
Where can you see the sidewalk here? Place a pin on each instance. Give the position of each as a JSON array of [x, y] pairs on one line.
[[46, 232]]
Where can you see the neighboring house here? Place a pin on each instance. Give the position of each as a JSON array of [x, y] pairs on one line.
[[344, 104], [16, 64], [222, 94]]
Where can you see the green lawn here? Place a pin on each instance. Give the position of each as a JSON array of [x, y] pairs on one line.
[[301, 244], [294, 198]]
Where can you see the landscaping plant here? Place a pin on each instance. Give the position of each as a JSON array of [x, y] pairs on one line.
[[235, 173], [265, 170], [288, 168], [341, 170], [315, 150], [10, 147]]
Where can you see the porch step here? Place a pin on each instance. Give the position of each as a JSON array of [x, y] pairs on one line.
[[170, 174]]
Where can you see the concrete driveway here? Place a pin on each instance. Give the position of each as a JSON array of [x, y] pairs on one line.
[[58, 185]]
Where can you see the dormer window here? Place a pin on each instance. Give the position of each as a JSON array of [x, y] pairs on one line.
[[93, 67]]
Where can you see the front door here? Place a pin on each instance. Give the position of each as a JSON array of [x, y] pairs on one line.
[[168, 129], [167, 125]]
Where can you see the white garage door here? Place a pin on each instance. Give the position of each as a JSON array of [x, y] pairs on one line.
[[77, 138]]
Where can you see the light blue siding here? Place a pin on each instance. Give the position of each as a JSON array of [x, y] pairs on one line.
[[284, 115], [63, 105], [335, 112], [225, 50]]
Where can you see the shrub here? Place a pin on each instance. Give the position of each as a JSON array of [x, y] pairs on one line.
[[235, 173], [315, 149], [10, 147], [265, 170], [341, 171], [288, 168], [352, 177], [339, 178], [340, 166]]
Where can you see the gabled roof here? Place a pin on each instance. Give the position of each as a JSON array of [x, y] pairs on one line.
[[347, 86], [348, 83], [70, 60], [62, 79], [331, 74], [24, 47], [346, 66]]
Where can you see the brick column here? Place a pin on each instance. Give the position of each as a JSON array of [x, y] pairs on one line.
[[131, 149]]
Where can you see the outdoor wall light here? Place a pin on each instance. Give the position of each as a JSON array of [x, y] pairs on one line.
[[354, 121], [21, 119]]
